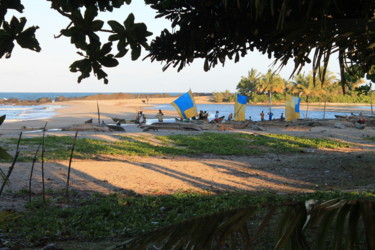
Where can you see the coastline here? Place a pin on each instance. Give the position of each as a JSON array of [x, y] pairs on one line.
[[75, 112]]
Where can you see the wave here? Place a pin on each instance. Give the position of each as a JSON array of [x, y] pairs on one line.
[[25, 113]]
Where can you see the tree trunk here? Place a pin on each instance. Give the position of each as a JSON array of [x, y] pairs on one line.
[[270, 101], [307, 106]]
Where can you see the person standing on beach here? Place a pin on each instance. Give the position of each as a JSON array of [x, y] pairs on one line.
[[142, 119], [160, 116], [262, 116], [270, 114]]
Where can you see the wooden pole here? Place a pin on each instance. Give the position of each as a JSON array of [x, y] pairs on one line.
[[43, 150], [97, 105], [270, 101], [12, 166], [32, 170], [70, 165]]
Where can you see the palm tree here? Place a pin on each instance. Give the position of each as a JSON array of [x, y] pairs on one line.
[[271, 83], [247, 85], [304, 86]]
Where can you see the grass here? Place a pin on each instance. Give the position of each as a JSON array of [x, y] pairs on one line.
[[120, 216], [58, 147], [249, 144]]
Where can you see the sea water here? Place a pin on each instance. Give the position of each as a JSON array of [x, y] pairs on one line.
[[33, 112], [23, 113]]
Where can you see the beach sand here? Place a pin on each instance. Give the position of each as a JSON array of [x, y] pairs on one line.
[[304, 172]]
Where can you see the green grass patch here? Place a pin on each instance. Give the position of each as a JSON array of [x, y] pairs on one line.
[[118, 216], [286, 142], [249, 144], [59, 147]]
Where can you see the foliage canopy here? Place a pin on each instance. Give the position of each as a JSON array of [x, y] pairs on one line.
[[213, 30]]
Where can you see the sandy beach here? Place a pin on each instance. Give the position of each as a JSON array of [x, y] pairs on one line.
[[308, 172], [79, 111]]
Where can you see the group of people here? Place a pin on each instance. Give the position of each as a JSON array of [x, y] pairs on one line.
[[270, 116], [140, 118], [203, 115]]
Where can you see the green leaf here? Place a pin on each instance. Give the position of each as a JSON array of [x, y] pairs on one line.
[[90, 13], [97, 25], [116, 26], [106, 49], [368, 217], [27, 39], [14, 25], [129, 22], [122, 53], [108, 61], [136, 52]]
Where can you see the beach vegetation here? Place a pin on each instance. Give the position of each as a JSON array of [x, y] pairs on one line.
[[58, 147], [303, 85], [124, 215], [225, 96], [248, 85]]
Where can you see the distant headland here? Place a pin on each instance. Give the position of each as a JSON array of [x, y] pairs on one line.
[[111, 96]]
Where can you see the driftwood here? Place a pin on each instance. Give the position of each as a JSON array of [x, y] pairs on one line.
[[116, 128], [87, 127], [176, 125], [237, 124]]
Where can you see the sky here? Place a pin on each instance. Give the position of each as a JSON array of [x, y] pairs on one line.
[[48, 70]]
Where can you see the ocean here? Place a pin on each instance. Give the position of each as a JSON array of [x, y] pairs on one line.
[[19, 113], [32, 112]]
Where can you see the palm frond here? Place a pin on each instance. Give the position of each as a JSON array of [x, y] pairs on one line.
[[334, 224]]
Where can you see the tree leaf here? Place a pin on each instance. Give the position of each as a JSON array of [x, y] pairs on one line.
[[108, 61], [116, 26]]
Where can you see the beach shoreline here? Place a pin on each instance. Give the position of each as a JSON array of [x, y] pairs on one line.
[[76, 112]]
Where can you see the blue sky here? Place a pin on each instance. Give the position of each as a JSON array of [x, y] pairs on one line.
[[48, 71]]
